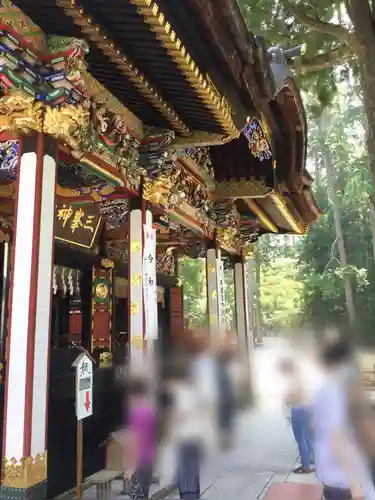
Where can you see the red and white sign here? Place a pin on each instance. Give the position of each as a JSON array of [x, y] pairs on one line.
[[84, 384]]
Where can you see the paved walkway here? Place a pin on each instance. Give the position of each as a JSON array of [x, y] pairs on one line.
[[260, 464]]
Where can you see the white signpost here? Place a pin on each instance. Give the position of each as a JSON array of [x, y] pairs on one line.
[[84, 383], [84, 368]]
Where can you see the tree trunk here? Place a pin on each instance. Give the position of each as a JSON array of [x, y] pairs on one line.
[[327, 160], [362, 18]]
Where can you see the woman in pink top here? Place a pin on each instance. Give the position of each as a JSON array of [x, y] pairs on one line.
[[142, 440]]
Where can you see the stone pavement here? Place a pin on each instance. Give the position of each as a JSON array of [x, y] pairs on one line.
[[264, 455], [259, 465]]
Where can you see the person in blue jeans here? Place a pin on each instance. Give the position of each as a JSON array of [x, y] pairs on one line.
[[296, 400]]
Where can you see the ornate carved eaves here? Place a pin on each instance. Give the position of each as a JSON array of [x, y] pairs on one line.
[[108, 47], [242, 188], [201, 83]]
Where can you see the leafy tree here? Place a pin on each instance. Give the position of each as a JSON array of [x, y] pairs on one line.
[[281, 294], [322, 275], [339, 38], [193, 275]]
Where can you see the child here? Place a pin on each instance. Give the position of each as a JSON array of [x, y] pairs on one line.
[[141, 440]]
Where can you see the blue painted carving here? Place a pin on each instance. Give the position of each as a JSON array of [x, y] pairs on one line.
[[8, 160]]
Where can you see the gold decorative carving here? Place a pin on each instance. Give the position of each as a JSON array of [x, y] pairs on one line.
[[159, 191], [212, 319], [107, 264], [137, 341], [136, 246], [136, 279], [68, 123], [241, 189], [26, 472], [105, 360], [102, 291], [179, 282], [20, 113], [249, 251], [229, 238], [134, 308], [200, 139]]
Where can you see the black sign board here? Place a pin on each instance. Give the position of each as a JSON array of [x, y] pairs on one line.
[[77, 224]]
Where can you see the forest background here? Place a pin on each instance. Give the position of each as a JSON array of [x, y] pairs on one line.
[[301, 278], [326, 277]]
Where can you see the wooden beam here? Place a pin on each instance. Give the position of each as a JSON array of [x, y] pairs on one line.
[[261, 214]]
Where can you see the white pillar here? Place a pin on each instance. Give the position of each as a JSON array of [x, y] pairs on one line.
[[212, 293], [28, 343], [250, 291], [138, 224], [135, 265], [241, 306]]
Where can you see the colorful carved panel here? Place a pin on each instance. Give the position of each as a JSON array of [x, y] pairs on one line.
[[102, 283], [166, 263], [256, 133], [8, 160]]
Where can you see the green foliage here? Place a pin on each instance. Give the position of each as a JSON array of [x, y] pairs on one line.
[[323, 292], [193, 275], [275, 20], [280, 293], [303, 282]]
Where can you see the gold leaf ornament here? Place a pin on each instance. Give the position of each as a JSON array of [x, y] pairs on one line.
[[136, 247], [213, 319], [134, 308], [137, 341], [136, 279], [21, 113]]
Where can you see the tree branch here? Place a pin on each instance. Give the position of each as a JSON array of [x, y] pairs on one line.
[[304, 17], [333, 58]]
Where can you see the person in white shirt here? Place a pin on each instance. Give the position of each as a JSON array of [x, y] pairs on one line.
[[187, 430]]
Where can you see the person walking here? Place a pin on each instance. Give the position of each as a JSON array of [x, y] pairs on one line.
[[141, 440], [341, 464], [300, 414], [185, 431]]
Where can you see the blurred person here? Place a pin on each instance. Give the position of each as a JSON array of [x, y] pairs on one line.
[[141, 440], [187, 430], [204, 374], [226, 403], [341, 464], [296, 400]]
